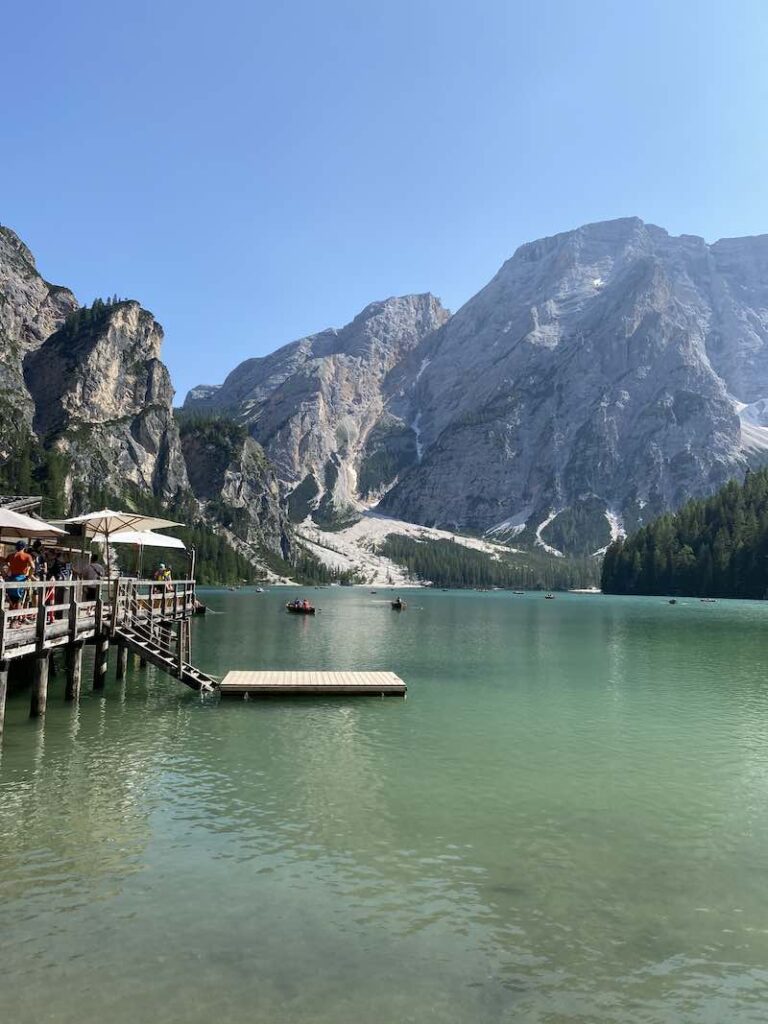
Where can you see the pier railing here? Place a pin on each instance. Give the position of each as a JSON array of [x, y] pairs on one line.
[[39, 616]]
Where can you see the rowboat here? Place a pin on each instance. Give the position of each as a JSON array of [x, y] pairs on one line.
[[297, 609]]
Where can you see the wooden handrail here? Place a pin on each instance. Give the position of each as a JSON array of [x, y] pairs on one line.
[[36, 625]]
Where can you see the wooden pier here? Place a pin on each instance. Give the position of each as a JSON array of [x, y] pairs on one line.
[[151, 619], [263, 684]]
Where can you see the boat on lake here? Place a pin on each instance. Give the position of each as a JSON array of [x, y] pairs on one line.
[[549, 597], [398, 604], [300, 608]]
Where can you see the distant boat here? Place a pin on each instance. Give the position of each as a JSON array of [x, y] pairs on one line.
[[398, 605], [549, 597], [519, 593], [673, 600], [297, 608], [709, 600], [259, 590]]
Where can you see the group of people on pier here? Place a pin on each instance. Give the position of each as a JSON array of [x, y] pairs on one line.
[[33, 563]]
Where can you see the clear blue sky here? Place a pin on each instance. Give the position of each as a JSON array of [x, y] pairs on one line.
[[253, 172]]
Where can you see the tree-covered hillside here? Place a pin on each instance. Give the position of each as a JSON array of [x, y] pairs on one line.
[[448, 563], [713, 547]]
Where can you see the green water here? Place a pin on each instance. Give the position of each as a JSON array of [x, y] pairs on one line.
[[566, 821]]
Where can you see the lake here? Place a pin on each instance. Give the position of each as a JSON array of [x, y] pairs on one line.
[[566, 821]]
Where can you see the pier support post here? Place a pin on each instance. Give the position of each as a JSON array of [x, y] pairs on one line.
[[180, 645], [3, 692], [74, 670], [122, 661], [39, 697], [100, 661]]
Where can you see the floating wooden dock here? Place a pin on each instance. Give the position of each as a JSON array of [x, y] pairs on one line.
[[278, 683]]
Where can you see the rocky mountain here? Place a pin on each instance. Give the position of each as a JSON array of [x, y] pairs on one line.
[[31, 309], [104, 401], [319, 405], [229, 472], [84, 391], [604, 375]]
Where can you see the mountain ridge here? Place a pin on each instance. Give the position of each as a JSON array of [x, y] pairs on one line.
[[609, 346]]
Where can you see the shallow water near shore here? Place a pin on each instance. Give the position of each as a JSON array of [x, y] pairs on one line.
[[566, 821]]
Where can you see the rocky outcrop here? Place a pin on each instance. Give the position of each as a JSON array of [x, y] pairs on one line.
[[230, 474], [104, 400], [315, 403], [31, 309]]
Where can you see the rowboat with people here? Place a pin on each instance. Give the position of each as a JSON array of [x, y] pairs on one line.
[[300, 607]]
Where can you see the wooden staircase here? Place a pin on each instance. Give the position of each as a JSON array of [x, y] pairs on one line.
[[162, 648]]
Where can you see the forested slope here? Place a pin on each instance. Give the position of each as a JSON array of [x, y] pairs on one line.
[[713, 547]]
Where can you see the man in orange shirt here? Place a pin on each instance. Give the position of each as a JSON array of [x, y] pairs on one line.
[[21, 565]]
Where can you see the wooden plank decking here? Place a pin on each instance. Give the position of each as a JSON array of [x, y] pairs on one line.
[[239, 683]]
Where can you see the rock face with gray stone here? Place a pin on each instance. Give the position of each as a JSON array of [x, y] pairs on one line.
[[89, 384], [31, 309], [605, 367], [104, 400], [604, 375], [232, 477], [314, 404]]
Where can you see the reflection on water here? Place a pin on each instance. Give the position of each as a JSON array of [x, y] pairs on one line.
[[565, 821]]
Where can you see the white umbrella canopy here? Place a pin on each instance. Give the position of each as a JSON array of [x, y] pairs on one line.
[[144, 539], [107, 522], [16, 525]]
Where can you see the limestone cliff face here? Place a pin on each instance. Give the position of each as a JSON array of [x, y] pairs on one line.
[[89, 384], [604, 375], [104, 400], [608, 366], [315, 403], [230, 474], [30, 310]]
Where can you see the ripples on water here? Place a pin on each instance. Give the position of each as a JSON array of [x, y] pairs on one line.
[[565, 821]]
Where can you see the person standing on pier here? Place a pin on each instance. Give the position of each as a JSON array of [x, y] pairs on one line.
[[20, 567], [93, 571]]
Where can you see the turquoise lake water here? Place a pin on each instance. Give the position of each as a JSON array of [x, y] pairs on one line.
[[566, 821]]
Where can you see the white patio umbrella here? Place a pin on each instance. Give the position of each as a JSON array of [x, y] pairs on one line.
[[144, 539], [103, 524], [15, 525]]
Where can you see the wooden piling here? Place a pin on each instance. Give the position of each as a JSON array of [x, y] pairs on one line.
[[3, 691], [74, 670], [122, 661], [39, 697], [180, 643], [100, 661]]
